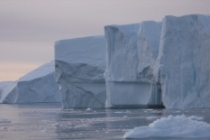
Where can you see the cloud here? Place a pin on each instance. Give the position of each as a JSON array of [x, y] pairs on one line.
[[26, 52], [13, 71], [52, 20], [28, 28]]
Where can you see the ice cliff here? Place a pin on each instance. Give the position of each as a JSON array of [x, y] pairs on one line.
[[183, 64], [80, 65], [36, 86], [131, 54]]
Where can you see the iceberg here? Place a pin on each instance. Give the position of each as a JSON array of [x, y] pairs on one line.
[[183, 64], [172, 126], [80, 66], [147, 64], [131, 54], [37, 86], [154, 63]]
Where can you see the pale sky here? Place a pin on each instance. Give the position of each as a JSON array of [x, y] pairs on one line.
[[29, 28]]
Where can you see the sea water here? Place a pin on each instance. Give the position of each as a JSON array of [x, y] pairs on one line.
[[50, 122]]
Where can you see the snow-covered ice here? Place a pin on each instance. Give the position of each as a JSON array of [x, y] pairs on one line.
[[37, 86], [80, 65], [172, 126]]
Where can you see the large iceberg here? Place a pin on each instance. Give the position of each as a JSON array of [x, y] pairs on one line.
[[36, 86], [80, 65], [183, 64], [144, 64], [154, 62], [131, 54]]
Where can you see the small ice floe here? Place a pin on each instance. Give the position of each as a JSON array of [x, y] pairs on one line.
[[172, 126], [45, 121], [198, 118], [5, 121], [152, 118], [44, 130], [56, 124], [177, 111], [125, 116], [156, 111], [118, 112], [89, 109], [149, 110]]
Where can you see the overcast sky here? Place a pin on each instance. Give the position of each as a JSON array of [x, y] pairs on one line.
[[28, 28]]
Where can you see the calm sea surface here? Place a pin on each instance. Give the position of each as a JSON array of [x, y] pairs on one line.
[[50, 122]]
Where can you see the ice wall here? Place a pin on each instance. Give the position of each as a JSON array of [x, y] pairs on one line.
[[183, 63], [37, 86], [131, 54], [80, 65]]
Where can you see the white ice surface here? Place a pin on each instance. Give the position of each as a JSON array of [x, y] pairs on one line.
[[80, 65], [172, 126]]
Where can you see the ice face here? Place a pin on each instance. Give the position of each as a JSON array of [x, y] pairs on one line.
[[183, 63], [131, 54], [148, 46], [172, 126], [121, 51], [80, 65], [36, 86]]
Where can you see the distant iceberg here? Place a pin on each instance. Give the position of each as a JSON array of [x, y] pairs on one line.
[[36, 86], [172, 126]]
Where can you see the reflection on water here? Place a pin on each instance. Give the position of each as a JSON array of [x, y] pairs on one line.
[[50, 122]]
